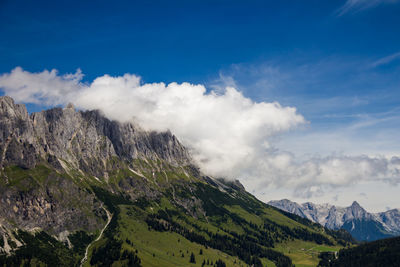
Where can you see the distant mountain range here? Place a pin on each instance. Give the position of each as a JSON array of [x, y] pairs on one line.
[[362, 225]]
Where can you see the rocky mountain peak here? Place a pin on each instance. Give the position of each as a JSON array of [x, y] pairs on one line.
[[70, 106], [356, 211], [84, 139], [355, 205], [8, 109]]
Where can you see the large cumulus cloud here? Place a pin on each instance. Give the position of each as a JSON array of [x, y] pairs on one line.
[[229, 135]]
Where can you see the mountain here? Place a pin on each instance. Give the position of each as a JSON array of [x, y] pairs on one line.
[[362, 225], [79, 189]]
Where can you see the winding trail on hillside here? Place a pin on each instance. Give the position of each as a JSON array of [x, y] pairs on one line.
[[109, 217]]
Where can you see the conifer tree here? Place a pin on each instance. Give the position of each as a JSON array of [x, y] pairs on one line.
[[192, 258]]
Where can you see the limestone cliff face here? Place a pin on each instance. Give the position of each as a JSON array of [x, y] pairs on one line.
[[41, 153], [57, 206], [83, 139], [17, 136]]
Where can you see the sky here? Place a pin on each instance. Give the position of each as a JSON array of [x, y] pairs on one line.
[[296, 99]]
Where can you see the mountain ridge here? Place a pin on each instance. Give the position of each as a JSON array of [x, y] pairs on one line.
[[385, 224], [53, 131], [61, 168]]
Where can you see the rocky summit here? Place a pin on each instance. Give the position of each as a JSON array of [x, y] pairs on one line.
[[84, 140], [79, 189]]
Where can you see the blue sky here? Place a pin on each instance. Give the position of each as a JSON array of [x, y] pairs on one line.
[[195, 41], [189, 40], [337, 62]]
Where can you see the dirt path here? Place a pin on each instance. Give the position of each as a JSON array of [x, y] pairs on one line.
[[109, 216]]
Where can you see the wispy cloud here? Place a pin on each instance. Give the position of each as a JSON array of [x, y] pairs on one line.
[[330, 87], [386, 60], [353, 6]]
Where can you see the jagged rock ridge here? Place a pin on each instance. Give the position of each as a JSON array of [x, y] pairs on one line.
[[362, 224], [66, 140], [84, 139]]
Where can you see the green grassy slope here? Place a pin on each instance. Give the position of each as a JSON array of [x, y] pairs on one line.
[[232, 226], [163, 214]]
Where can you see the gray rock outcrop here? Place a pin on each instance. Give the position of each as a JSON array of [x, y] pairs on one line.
[[46, 156], [83, 139]]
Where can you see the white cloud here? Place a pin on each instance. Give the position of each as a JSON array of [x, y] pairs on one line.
[[229, 135], [223, 129], [351, 114], [46, 87], [316, 175]]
